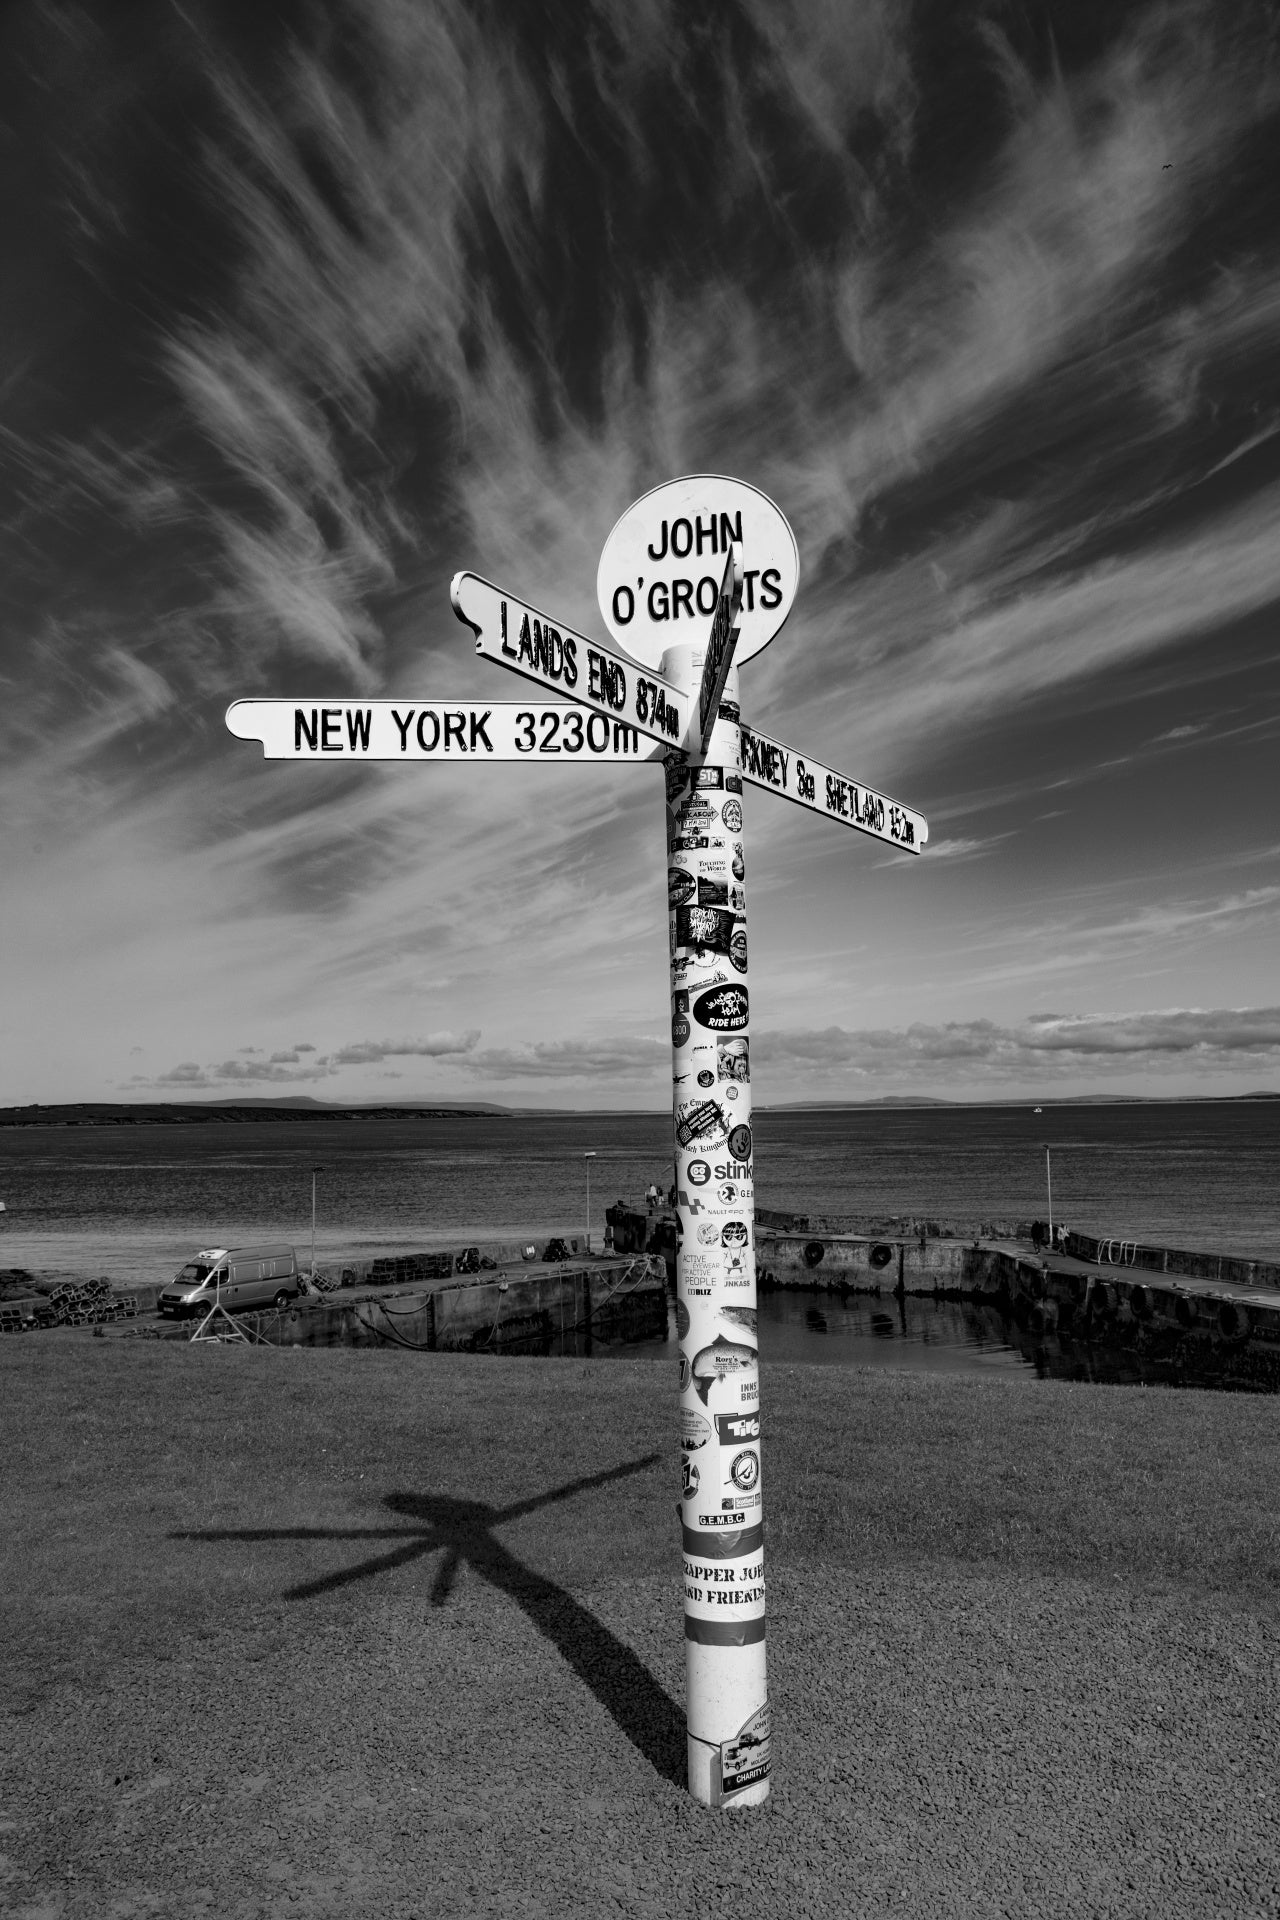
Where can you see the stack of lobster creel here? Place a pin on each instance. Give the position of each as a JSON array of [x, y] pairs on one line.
[[91, 1304]]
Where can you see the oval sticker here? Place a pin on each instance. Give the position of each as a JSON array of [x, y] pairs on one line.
[[659, 578], [722, 1010]]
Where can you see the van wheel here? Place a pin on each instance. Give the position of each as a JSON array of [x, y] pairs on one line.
[[282, 1300]]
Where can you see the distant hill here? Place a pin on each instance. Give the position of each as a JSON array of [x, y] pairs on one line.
[[249, 1112], [886, 1100], [1047, 1101], [300, 1108]]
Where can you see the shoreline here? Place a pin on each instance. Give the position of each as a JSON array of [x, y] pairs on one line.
[[94, 1113], [153, 1257]]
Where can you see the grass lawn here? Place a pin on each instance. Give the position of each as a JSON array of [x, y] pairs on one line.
[[333, 1632]]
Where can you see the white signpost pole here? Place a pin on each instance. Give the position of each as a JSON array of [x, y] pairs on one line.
[[721, 1517], [670, 695]]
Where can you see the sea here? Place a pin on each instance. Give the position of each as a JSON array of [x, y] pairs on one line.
[[131, 1202]]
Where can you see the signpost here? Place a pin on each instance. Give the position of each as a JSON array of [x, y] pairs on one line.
[[720, 648], [671, 695], [530, 643], [767, 763], [457, 730], [656, 583]]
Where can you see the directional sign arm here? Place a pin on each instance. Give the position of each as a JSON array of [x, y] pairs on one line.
[[529, 642], [724, 638], [767, 763], [553, 732]]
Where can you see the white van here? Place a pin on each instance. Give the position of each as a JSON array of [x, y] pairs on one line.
[[238, 1277]]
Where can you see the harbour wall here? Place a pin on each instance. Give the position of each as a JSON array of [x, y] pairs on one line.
[[860, 1263], [1224, 1267], [503, 1313]]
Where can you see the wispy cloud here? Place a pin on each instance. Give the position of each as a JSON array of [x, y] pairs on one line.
[[436, 1046], [284, 1067], [189, 1074], [1010, 435], [957, 849], [1049, 1048], [592, 1062]]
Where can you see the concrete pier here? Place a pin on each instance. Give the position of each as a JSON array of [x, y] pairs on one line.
[[511, 1310]]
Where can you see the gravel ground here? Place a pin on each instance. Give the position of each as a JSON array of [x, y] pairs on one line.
[[346, 1717]]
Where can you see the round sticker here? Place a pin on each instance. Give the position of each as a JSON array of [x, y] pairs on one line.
[[688, 1479], [695, 1431], [731, 814], [727, 1192], [698, 1173], [708, 1234], [738, 864], [681, 886], [682, 1318], [663, 564], [680, 1030], [686, 1372], [745, 1470], [706, 1078], [740, 1143], [735, 1233]]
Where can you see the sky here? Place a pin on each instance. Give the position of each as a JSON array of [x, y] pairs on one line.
[[305, 307]]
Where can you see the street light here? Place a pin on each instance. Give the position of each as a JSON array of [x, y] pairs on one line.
[[314, 1172], [588, 1158]]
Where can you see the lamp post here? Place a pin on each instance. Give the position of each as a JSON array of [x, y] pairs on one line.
[[314, 1172], [588, 1158]]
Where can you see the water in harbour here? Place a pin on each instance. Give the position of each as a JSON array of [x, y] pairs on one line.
[[920, 1334]]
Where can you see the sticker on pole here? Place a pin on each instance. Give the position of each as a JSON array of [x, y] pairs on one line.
[[745, 1759], [660, 572]]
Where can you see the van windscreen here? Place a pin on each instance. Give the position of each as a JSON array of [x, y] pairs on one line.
[[194, 1272]]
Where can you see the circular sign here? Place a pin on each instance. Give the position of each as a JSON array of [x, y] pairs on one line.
[[659, 579], [745, 1470]]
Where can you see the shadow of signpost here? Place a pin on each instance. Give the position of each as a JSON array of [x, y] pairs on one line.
[[464, 1531]]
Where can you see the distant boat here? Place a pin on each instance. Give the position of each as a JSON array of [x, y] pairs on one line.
[[1037, 1109]]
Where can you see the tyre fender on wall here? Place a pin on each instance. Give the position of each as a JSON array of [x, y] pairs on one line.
[[1233, 1320]]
